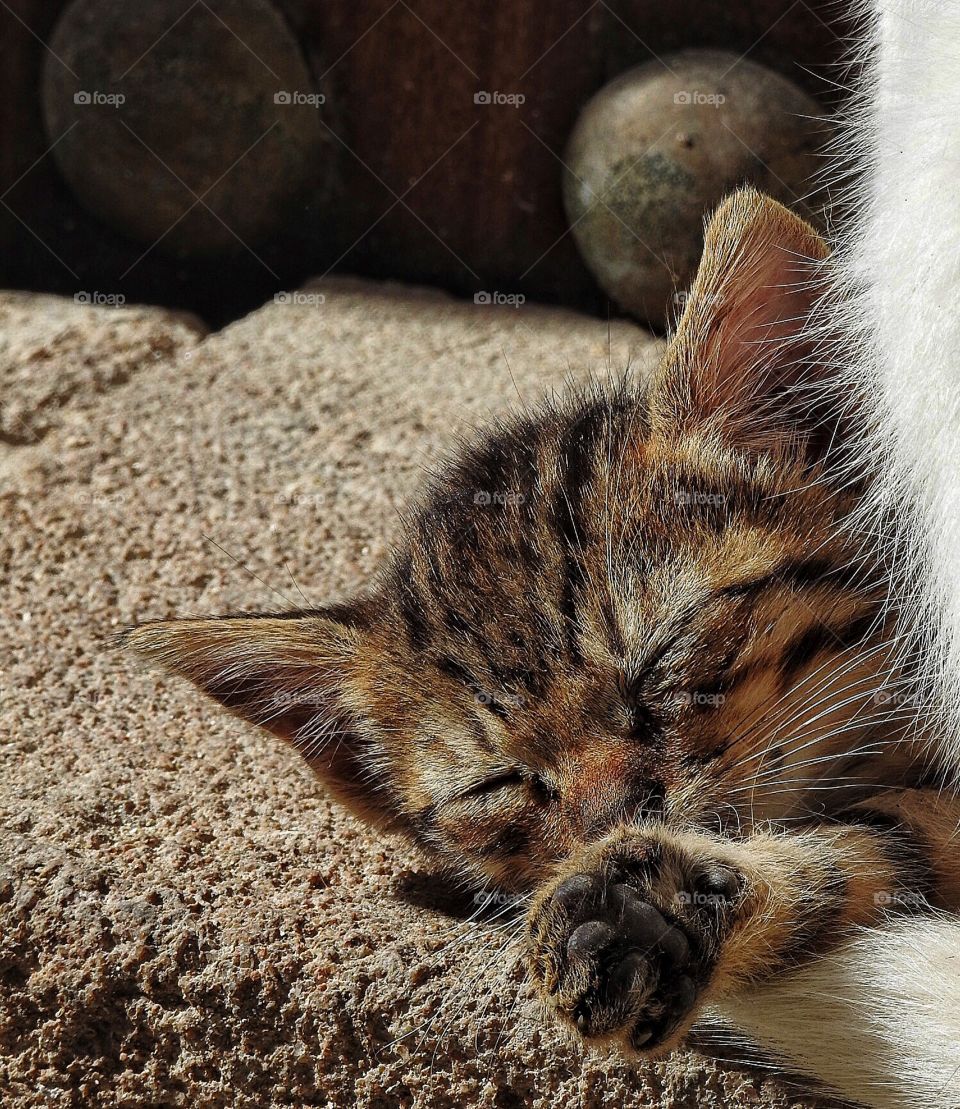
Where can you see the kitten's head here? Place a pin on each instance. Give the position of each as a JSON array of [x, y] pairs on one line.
[[637, 603]]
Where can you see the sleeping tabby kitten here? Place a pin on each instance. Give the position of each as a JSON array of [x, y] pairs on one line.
[[631, 658]]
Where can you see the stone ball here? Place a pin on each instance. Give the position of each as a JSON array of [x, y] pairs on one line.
[[656, 149], [174, 102]]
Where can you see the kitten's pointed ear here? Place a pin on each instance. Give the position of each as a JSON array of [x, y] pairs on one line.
[[295, 674], [743, 349]]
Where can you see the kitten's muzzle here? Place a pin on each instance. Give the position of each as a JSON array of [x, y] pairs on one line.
[[595, 813]]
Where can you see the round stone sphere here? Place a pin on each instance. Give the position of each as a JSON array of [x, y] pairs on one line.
[[656, 149], [174, 112]]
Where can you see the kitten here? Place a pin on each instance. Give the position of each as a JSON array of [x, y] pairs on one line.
[[631, 658]]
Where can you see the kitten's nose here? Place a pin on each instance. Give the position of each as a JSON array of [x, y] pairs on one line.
[[621, 802], [607, 785]]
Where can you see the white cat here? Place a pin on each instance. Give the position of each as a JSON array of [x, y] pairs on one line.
[[879, 1018]]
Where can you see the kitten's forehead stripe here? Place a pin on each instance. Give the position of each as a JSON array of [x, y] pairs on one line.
[[803, 574], [906, 848], [513, 839], [818, 918], [409, 596], [823, 635]]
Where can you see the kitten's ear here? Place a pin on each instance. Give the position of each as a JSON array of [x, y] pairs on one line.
[[743, 349], [295, 674]]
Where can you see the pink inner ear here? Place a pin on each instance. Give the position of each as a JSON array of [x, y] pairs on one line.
[[762, 343], [744, 337]]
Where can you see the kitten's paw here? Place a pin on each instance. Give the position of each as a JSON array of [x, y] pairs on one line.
[[624, 948]]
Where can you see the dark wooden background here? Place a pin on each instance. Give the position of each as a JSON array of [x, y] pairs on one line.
[[399, 77]]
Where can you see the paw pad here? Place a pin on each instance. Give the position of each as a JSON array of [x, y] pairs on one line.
[[620, 966]]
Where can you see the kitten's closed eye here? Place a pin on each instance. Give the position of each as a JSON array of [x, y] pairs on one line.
[[540, 788], [544, 791], [706, 756], [505, 779]]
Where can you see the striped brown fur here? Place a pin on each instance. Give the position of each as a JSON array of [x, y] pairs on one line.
[[630, 658]]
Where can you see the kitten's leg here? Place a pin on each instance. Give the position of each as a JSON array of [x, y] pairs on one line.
[[640, 929]]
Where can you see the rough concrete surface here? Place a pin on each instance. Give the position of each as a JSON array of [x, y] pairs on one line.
[[185, 919]]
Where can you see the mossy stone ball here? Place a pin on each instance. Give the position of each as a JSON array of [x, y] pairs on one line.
[[656, 149]]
